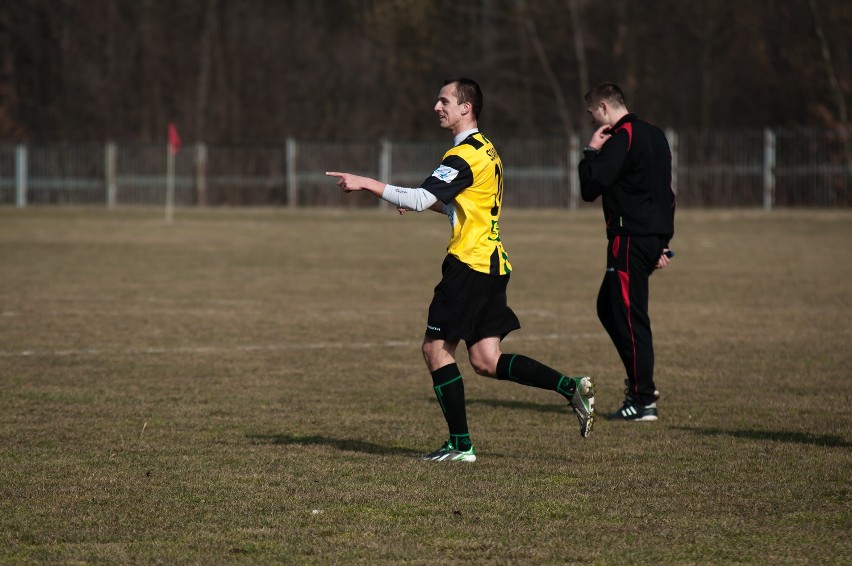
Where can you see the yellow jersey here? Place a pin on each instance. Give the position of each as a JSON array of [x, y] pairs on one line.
[[469, 182]]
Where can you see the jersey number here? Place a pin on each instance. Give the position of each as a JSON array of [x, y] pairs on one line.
[[498, 198]]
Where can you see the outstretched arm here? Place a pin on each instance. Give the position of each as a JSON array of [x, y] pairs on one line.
[[402, 197], [349, 182]]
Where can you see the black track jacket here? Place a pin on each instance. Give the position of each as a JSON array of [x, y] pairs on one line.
[[633, 172]]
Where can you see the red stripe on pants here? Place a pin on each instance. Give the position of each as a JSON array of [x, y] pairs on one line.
[[624, 277]]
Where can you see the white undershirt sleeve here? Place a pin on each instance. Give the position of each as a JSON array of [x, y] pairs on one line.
[[412, 199]]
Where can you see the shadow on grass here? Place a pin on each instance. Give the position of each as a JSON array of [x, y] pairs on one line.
[[520, 405], [778, 436], [349, 444]]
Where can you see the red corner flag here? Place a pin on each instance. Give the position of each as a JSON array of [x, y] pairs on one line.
[[174, 139]]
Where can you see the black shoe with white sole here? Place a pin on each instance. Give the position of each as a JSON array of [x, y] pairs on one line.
[[633, 411], [630, 411]]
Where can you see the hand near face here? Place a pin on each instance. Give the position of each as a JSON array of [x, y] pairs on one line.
[[599, 138]]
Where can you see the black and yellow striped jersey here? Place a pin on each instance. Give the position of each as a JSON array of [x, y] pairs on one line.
[[470, 183]]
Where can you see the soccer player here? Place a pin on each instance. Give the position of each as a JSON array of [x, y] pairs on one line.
[[628, 162], [470, 303]]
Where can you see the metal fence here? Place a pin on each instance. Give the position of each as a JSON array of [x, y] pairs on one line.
[[768, 168]]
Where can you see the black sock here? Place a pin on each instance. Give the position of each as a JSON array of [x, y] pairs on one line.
[[528, 371], [461, 441], [449, 388]]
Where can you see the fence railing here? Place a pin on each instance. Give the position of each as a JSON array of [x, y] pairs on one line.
[[767, 169]]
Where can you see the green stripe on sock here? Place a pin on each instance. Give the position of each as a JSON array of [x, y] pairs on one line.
[[567, 390], [461, 441], [458, 377], [512, 377], [440, 395]]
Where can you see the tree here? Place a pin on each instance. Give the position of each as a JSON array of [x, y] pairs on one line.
[[257, 72]]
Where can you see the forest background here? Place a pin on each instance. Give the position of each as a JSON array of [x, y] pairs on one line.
[[258, 71]]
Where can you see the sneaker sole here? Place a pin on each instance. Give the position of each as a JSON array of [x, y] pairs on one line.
[[648, 419], [450, 458], [587, 389], [645, 419], [457, 459]]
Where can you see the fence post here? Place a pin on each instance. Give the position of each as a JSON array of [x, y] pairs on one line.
[[109, 169], [672, 136], [21, 176], [573, 175], [170, 183], [768, 169], [290, 166], [385, 166], [201, 173]]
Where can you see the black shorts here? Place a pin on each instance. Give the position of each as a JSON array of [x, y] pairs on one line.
[[469, 305]]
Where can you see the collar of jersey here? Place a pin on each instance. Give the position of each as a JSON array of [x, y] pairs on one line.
[[463, 136]]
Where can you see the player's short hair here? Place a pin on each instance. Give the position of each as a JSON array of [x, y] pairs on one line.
[[468, 91], [605, 91]]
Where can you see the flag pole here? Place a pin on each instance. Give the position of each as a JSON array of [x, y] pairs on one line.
[[174, 145], [170, 186]]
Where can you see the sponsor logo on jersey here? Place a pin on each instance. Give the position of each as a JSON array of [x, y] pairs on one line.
[[445, 173]]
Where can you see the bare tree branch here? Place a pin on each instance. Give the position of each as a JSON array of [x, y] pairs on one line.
[[553, 81], [579, 46], [836, 90]]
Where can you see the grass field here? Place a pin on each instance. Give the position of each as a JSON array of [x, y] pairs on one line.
[[247, 386]]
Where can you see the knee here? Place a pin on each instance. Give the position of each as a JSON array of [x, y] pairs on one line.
[[428, 351], [437, 354], [484, 365], [484, 370]]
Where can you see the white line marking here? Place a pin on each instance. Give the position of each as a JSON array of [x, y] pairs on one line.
[[264, 347]]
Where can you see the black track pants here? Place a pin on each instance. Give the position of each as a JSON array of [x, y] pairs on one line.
[[623, 308]]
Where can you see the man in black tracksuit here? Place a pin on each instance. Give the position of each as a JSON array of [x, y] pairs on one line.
[[628, 163]]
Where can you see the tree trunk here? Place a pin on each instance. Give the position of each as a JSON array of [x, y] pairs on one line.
[[579, 47], [550, 75], [828, 63], [202, 91]]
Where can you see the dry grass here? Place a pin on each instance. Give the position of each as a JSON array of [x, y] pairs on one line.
[[246, 386]]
